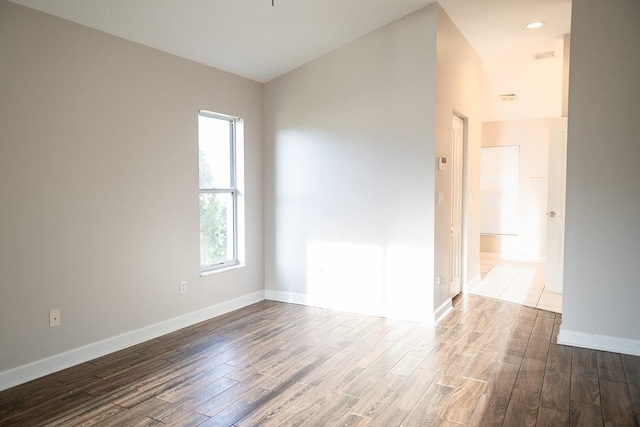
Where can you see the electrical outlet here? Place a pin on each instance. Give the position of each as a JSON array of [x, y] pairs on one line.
[[54, 318], [183, 287], [437, 280]]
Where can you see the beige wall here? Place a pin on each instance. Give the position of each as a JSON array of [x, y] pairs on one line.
[[351, 140], [458, 91], [349, 174], [532, 136], [566, 61], [601, 285], [99, 185]]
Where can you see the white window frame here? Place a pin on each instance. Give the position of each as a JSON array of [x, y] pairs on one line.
[[232, 190]]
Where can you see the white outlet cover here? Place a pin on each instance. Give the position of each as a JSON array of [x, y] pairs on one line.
[[54, 318]]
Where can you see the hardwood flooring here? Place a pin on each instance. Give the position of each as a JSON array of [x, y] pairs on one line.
[[488, 363]]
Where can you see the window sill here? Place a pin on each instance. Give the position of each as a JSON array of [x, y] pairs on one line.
[[221, 269]]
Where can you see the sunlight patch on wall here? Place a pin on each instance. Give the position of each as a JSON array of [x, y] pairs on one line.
[[499, 190], [368, 278]]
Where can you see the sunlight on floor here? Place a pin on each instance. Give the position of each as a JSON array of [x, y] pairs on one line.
[[519, 282]]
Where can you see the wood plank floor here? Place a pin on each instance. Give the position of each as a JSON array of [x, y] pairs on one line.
[[489, 363]]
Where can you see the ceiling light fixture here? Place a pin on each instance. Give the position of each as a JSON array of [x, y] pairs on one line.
[[535, 24]]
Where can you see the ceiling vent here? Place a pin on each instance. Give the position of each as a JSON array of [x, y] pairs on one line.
[[544, 55], [508, 97]]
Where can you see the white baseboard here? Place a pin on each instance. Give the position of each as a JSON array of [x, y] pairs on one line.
[[508, 257], [471, 285], [304, 299], [409, 315], [599, 342], [291, 297], [443, 310], [40, 368], [489, 255]]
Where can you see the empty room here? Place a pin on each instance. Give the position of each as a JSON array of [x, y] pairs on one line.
[[276, 212]]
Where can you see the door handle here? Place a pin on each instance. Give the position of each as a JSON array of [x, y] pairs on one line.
[[552, 214]]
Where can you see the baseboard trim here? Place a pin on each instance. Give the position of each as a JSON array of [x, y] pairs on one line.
[[40, 368], [289, 297], [302, 299], [471, 285], [443, 310], [507, 257], [489, 255], [599, 342]]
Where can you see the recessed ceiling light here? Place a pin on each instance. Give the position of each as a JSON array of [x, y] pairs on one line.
[[536, 24]]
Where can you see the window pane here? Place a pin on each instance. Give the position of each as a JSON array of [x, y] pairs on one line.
[[214, 136], [216, 228]]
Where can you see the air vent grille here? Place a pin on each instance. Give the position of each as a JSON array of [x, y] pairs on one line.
[[508, 97], [544, 55]]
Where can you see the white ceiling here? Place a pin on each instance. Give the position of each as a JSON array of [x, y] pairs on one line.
[[252, 39], [497, 30]]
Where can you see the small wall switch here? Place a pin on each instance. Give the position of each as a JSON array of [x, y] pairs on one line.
[[437, 280], [183, 287], [442, 163], [440, 198], [54, 318]]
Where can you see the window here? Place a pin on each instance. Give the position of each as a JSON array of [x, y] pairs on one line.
[[218, 190], [499, 190]]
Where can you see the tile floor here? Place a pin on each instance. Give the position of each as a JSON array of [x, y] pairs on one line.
[[518, 282]]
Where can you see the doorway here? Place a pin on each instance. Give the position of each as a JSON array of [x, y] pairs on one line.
[[514, 255], [555, 205]]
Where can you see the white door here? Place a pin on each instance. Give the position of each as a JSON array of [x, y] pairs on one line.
[[456, 167], [556, 203]]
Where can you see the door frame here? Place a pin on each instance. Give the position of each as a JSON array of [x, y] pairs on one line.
[[464, 201]]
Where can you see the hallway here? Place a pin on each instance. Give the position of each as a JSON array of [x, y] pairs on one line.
[[518, 282]]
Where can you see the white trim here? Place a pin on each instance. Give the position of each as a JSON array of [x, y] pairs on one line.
[[290, 297], [507, 257], [599, 342], [40, 368], [222, 268], [302, 299], [443, 310], [471, 285], [489, 255], [408, 315]]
